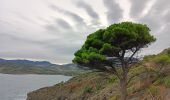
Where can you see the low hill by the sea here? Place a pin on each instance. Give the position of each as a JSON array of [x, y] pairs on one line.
[[38, 67], [151, 81]]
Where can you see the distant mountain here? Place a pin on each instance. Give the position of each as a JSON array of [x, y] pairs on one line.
[[28, 62], [37, 67]]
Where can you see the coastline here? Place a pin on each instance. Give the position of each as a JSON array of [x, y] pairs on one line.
[[19, 85]]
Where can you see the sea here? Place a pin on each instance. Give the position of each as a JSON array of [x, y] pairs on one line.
[[16, 87]]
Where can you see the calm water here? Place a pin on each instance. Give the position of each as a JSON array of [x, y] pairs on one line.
[[16, 87]]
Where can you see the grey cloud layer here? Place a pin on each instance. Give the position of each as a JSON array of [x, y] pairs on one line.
[[137, 6], [62, 23], [114, 12], [157, 19], [88, 9], [56, 39], [75, 17]]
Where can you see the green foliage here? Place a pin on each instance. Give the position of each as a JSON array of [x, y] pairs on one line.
[[137, 70], [112, 79], [167, 81], [115, 97], [168, 52], [148, 57], [162, 59], [98, 87], [153, 90], [88, 89], [111, 42], [89, 58], [164, 81]]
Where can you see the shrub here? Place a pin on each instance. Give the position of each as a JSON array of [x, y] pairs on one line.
[[112, 79], [148, 57], [115, 97], [159, 81], [98, 87], [162, 59], [167, 81], [153, 89], [164, 81], [88, 89], [168, 52]]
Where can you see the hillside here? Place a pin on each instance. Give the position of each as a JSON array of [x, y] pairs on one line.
[[151, 81], [37, 67]]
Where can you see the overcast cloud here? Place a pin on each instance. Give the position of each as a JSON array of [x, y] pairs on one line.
[[53, 30]]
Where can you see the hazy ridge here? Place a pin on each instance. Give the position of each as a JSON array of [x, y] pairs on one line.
[[37, 67]]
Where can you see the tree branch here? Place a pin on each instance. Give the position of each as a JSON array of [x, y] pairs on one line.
[[115, 72], [133, 54]]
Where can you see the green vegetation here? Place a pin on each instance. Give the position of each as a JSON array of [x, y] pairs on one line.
[[30, 67], [166, 81], [163, 81], [121, 41], [88, 89], [153, 90], [112, 79], [118, 78], [145, 85]]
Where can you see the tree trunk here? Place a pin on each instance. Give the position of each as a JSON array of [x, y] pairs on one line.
[[123, 89], [123, 83], [123, 79]]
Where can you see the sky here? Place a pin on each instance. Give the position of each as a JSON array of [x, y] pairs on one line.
[[52, 30]]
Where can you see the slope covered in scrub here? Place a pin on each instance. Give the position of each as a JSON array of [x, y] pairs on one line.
[[150, 80]]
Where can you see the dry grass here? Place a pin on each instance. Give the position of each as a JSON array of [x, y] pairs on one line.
[[150, 83]]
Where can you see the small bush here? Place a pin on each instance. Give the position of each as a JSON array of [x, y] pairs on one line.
[[153, 89], [162, 59], [131, 89], [148, 57], [168, 52], [61, 83], [164, 81], [137, 70], [159, 81], [115, 97], [167, 81], [112, 79], [88, 89], [98, 87]]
